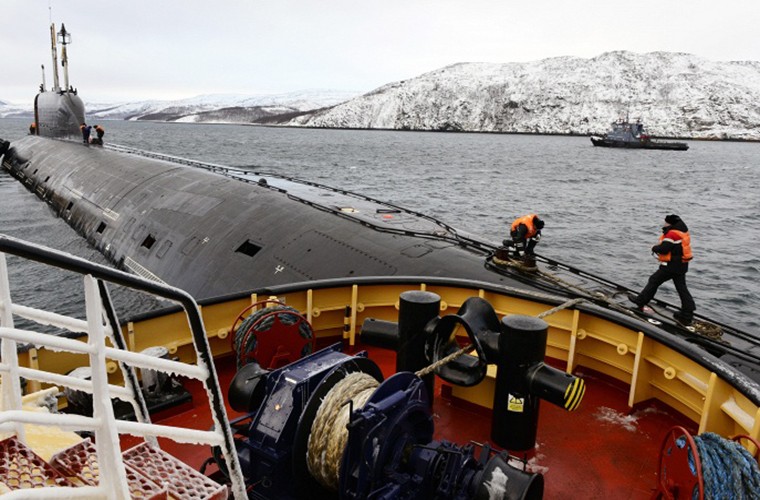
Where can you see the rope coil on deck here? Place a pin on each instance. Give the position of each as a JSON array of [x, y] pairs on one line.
[[245, 338], [728, 469]]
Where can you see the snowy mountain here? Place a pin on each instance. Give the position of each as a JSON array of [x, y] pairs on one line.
[[230, 108], [674, 94]]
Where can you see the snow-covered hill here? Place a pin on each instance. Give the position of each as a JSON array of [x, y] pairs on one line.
[[232, 108], [674, 94]]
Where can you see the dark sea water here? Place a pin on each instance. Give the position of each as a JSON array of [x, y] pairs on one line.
[[603, 207]]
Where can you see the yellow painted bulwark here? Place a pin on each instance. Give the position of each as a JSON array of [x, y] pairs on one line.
[[583, 341]]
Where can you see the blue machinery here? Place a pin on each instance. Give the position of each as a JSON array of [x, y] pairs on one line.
[[385, 447]]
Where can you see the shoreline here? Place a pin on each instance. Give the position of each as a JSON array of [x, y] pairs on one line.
[[489, 132]]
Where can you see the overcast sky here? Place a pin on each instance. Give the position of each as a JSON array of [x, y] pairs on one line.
[[172, 49]]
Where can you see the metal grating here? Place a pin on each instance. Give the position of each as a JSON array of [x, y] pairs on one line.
[[182, 481], [81, 461], [21, 468]]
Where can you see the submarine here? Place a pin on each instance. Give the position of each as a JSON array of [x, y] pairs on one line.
[[211, 230], [216, 231]]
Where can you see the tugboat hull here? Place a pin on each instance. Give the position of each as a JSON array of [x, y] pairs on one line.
[[608, 143]]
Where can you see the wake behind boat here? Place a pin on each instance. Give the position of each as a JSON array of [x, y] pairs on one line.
[[625, 134]]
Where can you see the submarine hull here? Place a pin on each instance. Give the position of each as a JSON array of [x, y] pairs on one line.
[[212, 234]]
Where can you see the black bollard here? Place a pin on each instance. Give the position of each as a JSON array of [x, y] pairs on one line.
[[416, 309], [522, 344], [522, 380]]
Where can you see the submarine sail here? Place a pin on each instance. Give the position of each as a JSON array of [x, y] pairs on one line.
[[59, 112]]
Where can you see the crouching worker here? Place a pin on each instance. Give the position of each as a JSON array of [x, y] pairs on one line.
[[525, 233], [100, 132]]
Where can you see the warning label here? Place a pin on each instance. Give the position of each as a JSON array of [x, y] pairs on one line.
[[516, 404]]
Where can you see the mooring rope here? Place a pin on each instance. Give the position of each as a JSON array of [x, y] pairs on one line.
[[564, 305], [451, 357], [729, 471], [329, 432]]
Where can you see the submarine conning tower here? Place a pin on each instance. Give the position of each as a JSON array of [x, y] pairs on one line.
[[58, 112]]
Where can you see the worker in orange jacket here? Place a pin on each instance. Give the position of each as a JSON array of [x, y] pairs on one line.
[[525, 233], [674, 253]]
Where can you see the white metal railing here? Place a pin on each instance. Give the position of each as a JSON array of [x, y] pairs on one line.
[[102, 423]]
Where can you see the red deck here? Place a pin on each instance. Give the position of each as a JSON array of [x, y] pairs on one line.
[[602, 450]]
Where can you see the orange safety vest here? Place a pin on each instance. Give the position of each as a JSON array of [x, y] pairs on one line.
[[528, 221], [685, 240]]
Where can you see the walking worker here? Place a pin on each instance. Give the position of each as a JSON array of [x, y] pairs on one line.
[[525, 233], [674, 254]]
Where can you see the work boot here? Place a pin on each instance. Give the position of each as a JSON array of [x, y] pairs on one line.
[[682, 318], [637, 306]]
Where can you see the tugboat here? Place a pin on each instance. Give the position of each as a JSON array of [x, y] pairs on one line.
[[625, 134], [364, 388]]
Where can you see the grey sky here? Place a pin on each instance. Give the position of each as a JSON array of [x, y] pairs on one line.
[[172, 49]]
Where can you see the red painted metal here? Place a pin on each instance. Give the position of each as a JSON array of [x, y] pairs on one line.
[[181, 480], [275, 344], [754, 441], [242, 315], [680, 468], [602, 450], [21, 468], [81, 462]]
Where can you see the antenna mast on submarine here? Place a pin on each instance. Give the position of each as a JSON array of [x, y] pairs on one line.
[[42, 87], [64, 37], [56, 86]]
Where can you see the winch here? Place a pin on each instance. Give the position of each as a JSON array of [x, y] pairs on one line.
[[329, 426]]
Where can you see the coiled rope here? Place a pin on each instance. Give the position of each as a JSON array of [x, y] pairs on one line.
[[329, 432], [729, 471]]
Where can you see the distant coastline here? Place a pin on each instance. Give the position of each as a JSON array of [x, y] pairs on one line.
[[547, 134]]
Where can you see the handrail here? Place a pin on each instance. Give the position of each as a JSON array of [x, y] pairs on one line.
[[95, 275]]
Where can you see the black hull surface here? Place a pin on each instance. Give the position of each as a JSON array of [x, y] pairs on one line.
[[213, 234], [607, 143]]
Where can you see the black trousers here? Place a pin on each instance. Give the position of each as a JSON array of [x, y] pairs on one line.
[[679, 280], [523, 246]]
